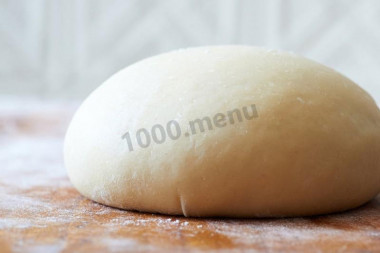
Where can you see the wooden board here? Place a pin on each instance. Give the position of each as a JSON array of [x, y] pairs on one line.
[[41, 212]]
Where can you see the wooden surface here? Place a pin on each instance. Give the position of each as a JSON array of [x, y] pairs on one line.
[[41, 212]]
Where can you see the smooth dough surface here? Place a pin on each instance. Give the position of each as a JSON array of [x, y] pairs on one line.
[[313, 149]]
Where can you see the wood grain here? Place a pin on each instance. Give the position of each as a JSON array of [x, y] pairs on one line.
[[41, 212]]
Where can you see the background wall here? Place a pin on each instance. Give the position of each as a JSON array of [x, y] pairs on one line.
[[66, 48]]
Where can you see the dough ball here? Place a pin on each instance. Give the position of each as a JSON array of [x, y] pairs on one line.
[[231, 131]]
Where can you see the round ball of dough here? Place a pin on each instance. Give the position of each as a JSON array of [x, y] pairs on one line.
[[231, 131]]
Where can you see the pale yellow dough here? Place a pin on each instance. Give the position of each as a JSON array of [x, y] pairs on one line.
[[313, 149]]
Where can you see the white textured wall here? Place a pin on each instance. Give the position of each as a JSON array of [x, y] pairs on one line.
[[66, 48]]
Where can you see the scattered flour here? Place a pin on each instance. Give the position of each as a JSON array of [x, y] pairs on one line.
[[36, 195]]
